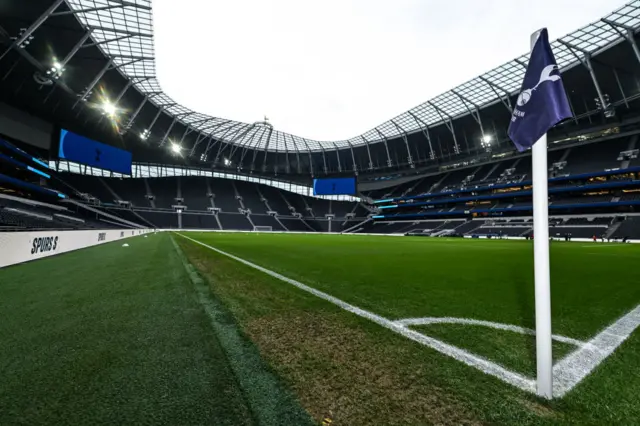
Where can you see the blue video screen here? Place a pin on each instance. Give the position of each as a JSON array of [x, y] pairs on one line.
[[334, 186], [79, 149]]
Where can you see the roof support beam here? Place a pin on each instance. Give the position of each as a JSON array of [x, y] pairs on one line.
[[72, 52], [506, 101], [111, 40], [124, 64], [173, 123], [87, 10], [266, 151], [119, 31], [449, 124], [243, 153], [586, 61], [624, 96], [310, 159], [239, 143], [295, 145], [353, 158], [522, 64], [476, 115], [406, 142], [33, 27], [129, 124], [95, 81], [386, 146], [160, 110], [255, 153], [366, 143], [166, 135], [242, 130], [324, 161], [131, 4], [425, 132], [232, 143], [211, 143], [338, 157], [628, 34]]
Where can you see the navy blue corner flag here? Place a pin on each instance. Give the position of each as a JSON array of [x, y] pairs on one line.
[[542, 102]]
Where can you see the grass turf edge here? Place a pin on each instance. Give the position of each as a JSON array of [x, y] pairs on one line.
[[269, 401]]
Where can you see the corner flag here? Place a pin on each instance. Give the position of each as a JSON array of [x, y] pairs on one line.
[[542, 102], [541, 105]]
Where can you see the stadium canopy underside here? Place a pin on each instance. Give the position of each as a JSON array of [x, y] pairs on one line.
[[63, 60]]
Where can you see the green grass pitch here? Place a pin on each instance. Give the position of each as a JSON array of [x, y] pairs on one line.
[[119, 334]]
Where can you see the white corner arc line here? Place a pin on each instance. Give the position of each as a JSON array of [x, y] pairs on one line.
[[482, 364], [490, 324], [573, 368]]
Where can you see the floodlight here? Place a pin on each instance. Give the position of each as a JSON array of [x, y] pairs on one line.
[[486, 139], [227, 162], [176, 148], [109, 109]]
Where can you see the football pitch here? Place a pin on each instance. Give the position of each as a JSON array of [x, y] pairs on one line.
[[362, 329]]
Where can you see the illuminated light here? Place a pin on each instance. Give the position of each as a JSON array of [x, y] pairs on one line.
[[176, 148], [145, 134], [109, 109], [227, 162], [486, 139]]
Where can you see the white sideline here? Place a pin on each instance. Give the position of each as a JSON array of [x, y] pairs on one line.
[[484, 365], [567, 373], [490, 324]]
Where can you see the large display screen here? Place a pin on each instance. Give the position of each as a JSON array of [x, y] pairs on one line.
[[77, 148], [334, 186]]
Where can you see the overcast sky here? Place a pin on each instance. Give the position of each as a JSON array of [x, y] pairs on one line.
[[333, 69]]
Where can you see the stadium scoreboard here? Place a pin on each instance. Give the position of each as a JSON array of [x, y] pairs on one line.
[[335, 186], [80, 149]]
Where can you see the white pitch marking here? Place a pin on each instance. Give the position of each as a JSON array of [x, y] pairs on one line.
[[567, 373], [573, 368], [490, 324], [482, 364]]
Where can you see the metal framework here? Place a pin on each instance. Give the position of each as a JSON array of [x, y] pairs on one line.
[[123, 30]]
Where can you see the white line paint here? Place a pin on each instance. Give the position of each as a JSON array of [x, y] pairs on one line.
[[567, 373], [572, 369], [482, 364], [490, 324]]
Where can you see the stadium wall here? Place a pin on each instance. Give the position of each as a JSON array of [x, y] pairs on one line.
[[19, 247]]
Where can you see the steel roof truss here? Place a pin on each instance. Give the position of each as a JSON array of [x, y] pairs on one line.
[[386, 146], [628, 34], [449, 125], [425, 132], [33, 27], [586, 61], [406, 142]]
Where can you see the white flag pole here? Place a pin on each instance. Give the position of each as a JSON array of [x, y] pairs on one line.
[[544, 360]]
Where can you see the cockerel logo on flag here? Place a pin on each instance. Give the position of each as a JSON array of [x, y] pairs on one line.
[[542, 102]]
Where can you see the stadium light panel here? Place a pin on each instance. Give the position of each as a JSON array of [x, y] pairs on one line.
[[486, 139], [176, 148], [109, 109], [227, 162]]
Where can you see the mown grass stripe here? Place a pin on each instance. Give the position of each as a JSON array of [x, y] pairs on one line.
[[269, 401]]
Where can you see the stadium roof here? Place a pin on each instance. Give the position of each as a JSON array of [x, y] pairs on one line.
[[123, 30]]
